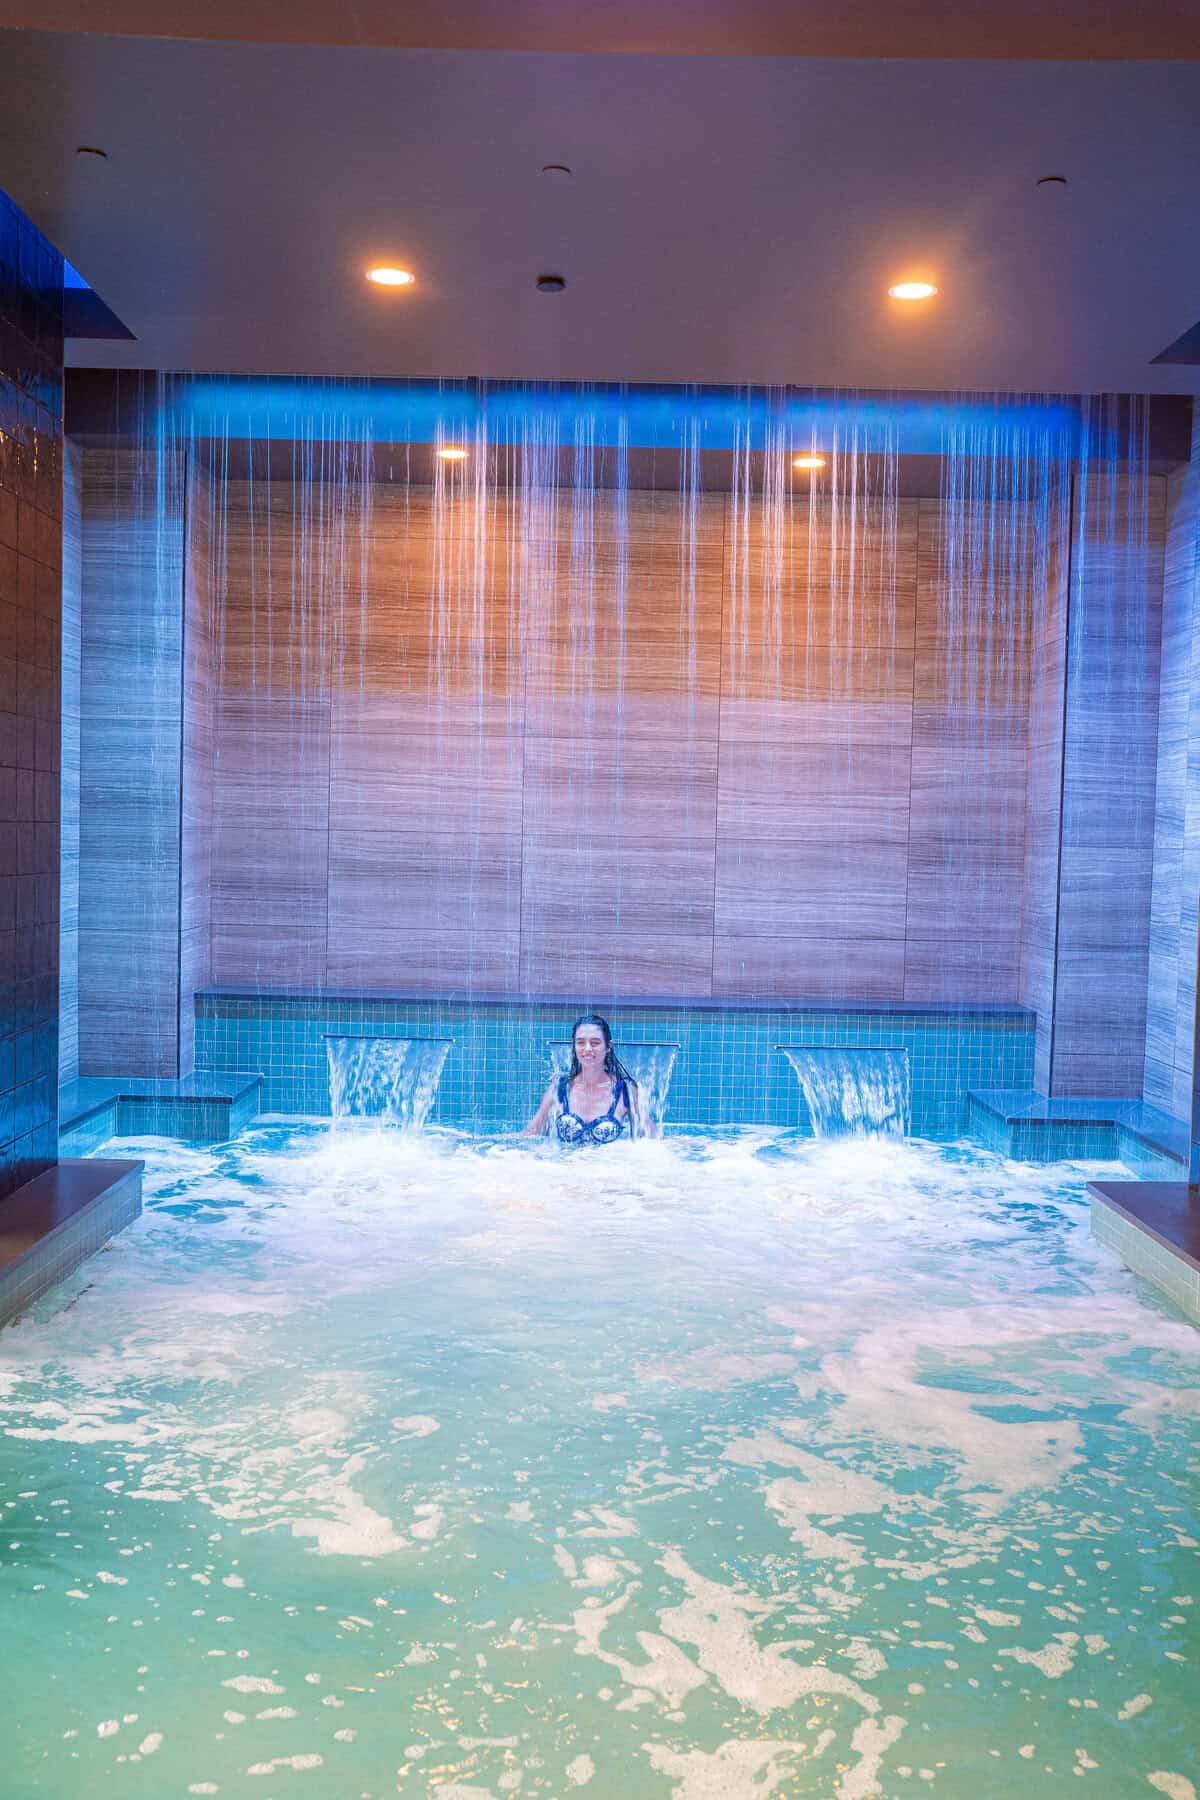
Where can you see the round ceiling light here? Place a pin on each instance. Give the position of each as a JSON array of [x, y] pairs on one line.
[[913, 290], [550, 284], [452, 453], [810, 461], [383, 276]]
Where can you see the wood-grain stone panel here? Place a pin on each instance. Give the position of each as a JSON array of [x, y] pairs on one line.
[[1109, 781], [763, 757], [130, 724], [1170, 998]]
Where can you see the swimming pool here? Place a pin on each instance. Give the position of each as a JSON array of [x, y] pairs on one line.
[[729, 1465]]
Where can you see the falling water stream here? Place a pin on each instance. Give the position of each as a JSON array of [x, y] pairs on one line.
[[863, 1093], [392, 1080], [618, 706]]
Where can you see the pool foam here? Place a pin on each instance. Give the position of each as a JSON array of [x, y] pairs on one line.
[[641, 1466]]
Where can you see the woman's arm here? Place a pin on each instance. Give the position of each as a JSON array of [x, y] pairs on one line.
[[540, 1122]]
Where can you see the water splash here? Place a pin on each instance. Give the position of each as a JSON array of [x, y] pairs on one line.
[[393, 1080], [854, 1092], [650, 1065]]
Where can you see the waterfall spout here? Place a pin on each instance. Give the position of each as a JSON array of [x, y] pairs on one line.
[[393, 1080], [650, 1065], [851, 1091]]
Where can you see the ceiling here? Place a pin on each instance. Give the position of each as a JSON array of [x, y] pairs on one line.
[[728, 218], [1141, 29]]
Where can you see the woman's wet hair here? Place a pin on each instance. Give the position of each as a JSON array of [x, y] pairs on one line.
[[612, 1063]]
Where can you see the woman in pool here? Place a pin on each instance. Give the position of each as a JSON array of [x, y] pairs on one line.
[[596, 1101]]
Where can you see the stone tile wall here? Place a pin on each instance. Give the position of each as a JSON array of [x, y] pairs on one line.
[[1171, 996], [130, 721], [31, 445], [1108, 785]]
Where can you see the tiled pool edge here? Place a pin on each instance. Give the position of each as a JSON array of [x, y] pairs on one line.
[[1030, 1127], [200, 1109], [54, 1223], [1154, 1227], [727, 1070]]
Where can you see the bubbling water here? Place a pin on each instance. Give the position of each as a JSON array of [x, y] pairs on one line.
[[719, 1464]]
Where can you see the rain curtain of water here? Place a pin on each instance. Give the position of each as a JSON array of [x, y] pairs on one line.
[[599, 712]]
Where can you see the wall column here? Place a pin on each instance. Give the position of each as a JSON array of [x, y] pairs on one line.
[[31, 362], [1109, 755], [141, 889]]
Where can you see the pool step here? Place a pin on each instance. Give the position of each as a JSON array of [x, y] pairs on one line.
[[204, 1108], [1030, 1126]]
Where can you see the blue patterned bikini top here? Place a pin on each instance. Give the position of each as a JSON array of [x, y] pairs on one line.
[[604, 1130]]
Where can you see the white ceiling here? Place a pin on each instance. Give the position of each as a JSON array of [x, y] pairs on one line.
[[728, 219]]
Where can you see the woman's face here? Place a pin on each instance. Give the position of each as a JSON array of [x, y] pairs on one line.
[[590, 1048]]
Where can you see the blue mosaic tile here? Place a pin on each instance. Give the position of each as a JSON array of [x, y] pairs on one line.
[[728, 1070], [200, 1109], [1150, 1163], [86, 1137], [1039, 1128]]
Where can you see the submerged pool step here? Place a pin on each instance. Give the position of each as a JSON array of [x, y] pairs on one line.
[[1032, 1127], [204, 1108]]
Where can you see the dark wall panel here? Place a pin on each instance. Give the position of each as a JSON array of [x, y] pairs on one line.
[[130, 754], [31, 348]]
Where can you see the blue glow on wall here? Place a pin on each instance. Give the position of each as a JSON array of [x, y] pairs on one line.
[[650, 418]]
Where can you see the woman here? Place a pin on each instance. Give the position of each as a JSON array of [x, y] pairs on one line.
[[596, 1101]]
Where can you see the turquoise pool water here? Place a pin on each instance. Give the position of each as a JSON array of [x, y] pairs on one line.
[[718, 1467]]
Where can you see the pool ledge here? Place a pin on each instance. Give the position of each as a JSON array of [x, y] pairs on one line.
[[1154, 1227], [59, 1219], [203, 1108], [1035, 1127]]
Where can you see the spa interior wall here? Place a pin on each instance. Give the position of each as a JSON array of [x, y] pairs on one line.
[[1171, 994], [405, 741], [31, 538]]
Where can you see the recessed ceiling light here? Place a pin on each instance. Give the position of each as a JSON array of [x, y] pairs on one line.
[[452, 453], [913, 290], [811, 461], [1050, 181], [550, 284], [559, 169], [91, 150], [386, 277]]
